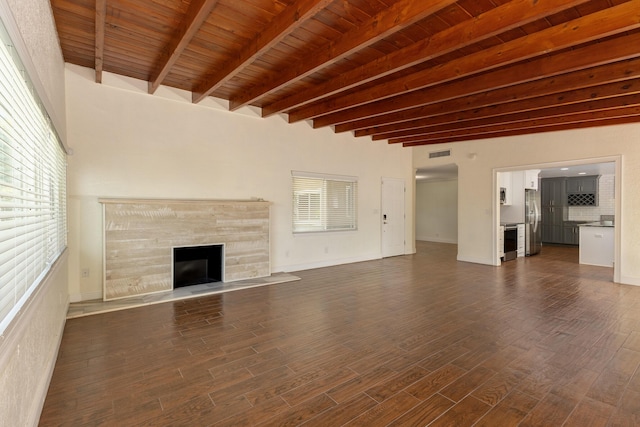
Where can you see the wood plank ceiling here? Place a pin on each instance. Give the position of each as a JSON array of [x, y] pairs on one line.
[[409, 72]]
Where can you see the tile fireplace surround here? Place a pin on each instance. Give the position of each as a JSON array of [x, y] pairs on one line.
[[140, 234]]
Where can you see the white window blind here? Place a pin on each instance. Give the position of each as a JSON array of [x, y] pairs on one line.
[[32, 187], [324, 202]]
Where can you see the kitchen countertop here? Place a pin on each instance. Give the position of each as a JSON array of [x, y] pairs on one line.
[[598, 224]]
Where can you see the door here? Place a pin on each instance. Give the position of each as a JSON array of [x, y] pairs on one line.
[[392, 217]]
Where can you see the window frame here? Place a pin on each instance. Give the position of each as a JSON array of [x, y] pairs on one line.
[[336, 206], [33, 223]]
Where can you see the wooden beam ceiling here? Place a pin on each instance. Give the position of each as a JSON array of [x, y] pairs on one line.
[[497, 133], [554, 105], [285, 23], [547, 66], [561, 87], [197, 14], [100, 16], [587, 111], [499, 20], [399, 16], [403, 71], [579, 31]]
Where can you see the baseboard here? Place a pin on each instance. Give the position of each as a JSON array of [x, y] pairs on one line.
[[85, 296], [626, 280], [437, 240], [475, 260], [321, 264]]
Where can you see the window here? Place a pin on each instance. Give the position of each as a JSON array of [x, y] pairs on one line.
[[32, 187], [324, 202]]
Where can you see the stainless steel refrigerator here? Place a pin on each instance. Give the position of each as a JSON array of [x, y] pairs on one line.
[[532, 222]]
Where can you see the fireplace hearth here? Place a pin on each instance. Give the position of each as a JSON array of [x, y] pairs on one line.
[[194, 265]]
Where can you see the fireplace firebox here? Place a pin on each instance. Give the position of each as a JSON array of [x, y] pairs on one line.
[[194, 265]]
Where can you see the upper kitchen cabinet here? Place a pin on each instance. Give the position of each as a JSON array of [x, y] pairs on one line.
[[505, 183], [583, 184], [582, 191], [531, 179], [513, 210], [553, 192]]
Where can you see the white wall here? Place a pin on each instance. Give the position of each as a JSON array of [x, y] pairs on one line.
[[28, 347], [437, 210], [478, 204], [127, 143]]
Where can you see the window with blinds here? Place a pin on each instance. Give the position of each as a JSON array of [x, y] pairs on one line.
[[324, 202], [32, 187]]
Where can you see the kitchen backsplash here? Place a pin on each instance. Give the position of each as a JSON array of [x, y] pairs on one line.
[[606, 202]]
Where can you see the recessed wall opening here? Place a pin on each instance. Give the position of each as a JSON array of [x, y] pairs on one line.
[[195, 265], [579, 206]]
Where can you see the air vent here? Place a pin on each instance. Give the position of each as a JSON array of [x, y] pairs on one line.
[[443, 153]]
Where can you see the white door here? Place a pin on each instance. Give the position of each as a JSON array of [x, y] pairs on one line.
[[392, 217]]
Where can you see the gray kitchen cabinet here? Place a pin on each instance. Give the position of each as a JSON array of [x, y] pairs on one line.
[[571, 233], [554, 214], [582, 184], [553, 192], [582, 191], [546, 192], [552, 233]]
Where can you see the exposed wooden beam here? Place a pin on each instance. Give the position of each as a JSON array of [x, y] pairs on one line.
[[605, 23], [409, 71], [100, 22], [196, 15], [501, 19], [569, 82], [291, 18], [631, 118], [501, 111], [609, 51], [516, 120], [398, 16]]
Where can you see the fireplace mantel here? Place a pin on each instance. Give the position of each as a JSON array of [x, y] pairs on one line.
[[139, 235]]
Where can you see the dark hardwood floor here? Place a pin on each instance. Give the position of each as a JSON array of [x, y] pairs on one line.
[[406, 341]]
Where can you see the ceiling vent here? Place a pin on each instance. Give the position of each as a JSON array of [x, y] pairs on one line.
[[443, 153]]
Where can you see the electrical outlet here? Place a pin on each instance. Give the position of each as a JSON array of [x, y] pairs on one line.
[[84, 272]]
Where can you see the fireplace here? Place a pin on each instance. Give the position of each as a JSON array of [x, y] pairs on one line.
[[194, 265], [140, 236]]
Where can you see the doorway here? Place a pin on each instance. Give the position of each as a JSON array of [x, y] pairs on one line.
[[603, 204], [436, 205]]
